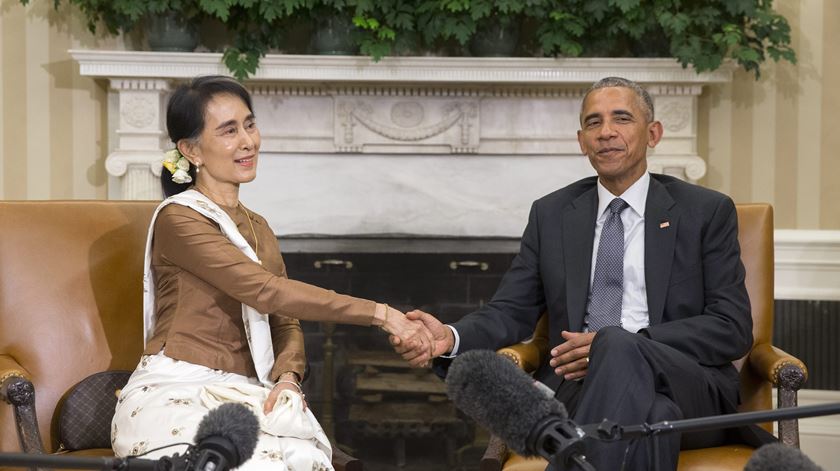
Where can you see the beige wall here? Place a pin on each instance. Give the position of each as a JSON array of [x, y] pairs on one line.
[[777, 139], [52, 124], [773, 140]]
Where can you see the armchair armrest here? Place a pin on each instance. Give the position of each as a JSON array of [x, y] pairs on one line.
[[17, 390], [782, 369], [524, 355], [10, 367], [788, 374], [529, 354]]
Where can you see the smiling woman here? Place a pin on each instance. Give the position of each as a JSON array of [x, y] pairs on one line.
[[226, 150], [197, 120], [220, 314]]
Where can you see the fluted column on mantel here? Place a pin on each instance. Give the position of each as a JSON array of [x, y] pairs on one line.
[[136, 161], [675, 105]]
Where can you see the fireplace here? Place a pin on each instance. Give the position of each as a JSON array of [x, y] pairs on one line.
[[390, 415], [407, 181]]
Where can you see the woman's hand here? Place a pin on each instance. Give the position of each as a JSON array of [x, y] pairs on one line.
[[287, 381], [442, 337], [412, 334]]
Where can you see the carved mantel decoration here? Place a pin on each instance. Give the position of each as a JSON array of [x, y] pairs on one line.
[[413, 145]]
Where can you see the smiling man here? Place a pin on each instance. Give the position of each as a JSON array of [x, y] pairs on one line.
[[641, 278]]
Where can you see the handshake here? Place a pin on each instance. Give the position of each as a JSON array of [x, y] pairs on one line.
[[418, 336]]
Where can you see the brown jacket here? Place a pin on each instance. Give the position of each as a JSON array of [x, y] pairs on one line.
[[201, 280]]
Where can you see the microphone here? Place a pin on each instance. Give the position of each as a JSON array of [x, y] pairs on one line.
[[226, 438], [778, 457], [505, 400]]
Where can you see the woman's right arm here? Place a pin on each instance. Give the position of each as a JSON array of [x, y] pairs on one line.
[[195, 244]]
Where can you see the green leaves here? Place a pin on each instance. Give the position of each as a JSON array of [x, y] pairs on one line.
[[675, 23], [241, 63], [626, 5], [218, 8], [700, 33]]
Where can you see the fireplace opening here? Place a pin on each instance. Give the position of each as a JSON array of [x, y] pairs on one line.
[[391, 416]]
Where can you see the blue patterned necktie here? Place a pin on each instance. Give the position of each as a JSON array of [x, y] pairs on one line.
[[608, 283]]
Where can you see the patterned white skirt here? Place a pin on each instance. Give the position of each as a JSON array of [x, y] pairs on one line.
[[164, 401]]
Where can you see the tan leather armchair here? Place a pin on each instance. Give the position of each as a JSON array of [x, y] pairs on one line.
[[71, 286], [763, 368]]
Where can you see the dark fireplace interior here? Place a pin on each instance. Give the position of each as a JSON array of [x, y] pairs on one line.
[[375, 406]]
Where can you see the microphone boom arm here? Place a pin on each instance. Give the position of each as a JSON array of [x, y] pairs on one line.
[[129, 463], [610, 431]]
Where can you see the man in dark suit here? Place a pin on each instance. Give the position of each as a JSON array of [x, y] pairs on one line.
[[643, 284]]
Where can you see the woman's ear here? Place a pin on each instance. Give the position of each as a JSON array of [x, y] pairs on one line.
[[189, 149]]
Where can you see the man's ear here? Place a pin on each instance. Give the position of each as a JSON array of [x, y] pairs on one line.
[[189, 149], [580, 142], [654, 133]]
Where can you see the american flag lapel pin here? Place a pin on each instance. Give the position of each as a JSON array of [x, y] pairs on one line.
[[664, 224]]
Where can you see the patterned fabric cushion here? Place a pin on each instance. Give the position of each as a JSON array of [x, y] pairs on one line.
[[84, 420]]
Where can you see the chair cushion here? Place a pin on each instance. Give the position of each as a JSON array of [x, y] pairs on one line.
[[90, 453], [715, 459], [85, 417], [707, 459], [520, 463]]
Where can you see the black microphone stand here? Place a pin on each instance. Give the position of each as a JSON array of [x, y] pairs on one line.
[[611, 431], [129, 463]]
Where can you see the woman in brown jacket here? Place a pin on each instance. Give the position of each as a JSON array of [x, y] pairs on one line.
[[221, 315]]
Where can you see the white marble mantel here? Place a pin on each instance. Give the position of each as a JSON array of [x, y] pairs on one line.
[[411, 145]]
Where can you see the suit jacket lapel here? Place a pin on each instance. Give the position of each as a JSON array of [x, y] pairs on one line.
[[578, 227], [661, 224]]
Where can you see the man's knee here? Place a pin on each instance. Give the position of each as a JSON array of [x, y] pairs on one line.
[[664, 408], [613, 341]]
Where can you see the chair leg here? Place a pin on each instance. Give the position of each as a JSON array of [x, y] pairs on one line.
[[20, 393], [494, 455], [342, 461], [399, 451], [451, 449], [790, 379]]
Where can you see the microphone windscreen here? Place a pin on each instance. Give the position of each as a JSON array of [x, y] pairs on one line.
[[234, 422], [778, 457], [499, 396]]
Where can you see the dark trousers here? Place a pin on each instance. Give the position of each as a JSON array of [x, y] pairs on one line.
[[633, 380]]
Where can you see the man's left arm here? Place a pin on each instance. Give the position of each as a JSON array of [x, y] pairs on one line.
[[722, 332]]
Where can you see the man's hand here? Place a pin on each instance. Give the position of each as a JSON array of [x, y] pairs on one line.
[[410, 333], [571, 358], [443, 340]]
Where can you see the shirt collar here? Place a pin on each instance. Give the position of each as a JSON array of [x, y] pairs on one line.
[[635, 196]]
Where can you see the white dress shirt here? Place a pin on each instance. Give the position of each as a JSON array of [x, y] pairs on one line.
[[634, 308]]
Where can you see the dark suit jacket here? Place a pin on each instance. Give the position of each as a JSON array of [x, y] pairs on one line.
[[694, 277]]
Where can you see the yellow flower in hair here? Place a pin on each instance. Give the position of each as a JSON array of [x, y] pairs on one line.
[[178, 166], [170, 160]]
